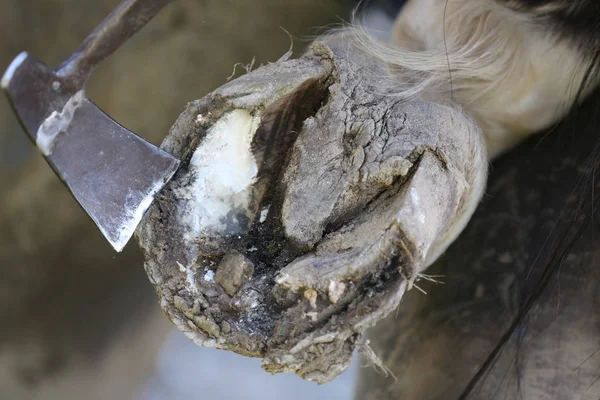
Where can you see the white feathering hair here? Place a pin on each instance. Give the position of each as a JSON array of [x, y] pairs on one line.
[[507, 69]]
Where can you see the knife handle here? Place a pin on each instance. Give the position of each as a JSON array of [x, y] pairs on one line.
[[129, 17]]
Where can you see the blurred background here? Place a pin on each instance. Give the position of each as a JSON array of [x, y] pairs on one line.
[[78, 320]]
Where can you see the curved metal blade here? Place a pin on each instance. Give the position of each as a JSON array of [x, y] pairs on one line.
[[112, 173]]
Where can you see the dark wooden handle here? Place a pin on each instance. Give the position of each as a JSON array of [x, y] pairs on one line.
[[129, 17]]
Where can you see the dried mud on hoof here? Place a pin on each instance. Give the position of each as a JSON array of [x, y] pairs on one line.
[[307, 203]]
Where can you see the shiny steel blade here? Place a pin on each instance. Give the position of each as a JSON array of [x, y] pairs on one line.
[[111, 172]]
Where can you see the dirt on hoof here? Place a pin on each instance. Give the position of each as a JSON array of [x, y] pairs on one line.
[[307, 203]]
